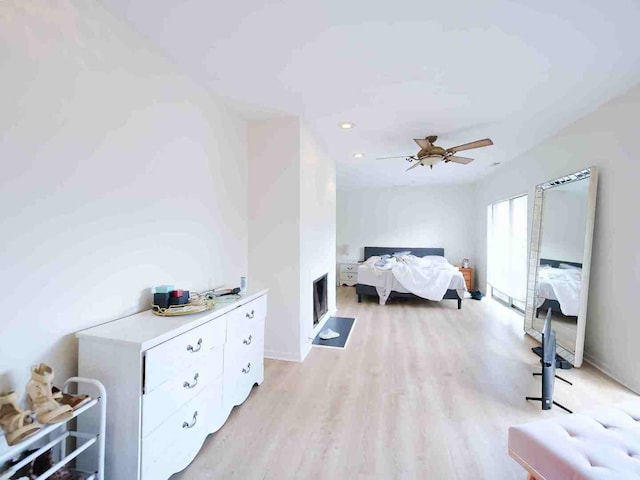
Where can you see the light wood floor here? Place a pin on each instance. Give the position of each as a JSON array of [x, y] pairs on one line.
[[423, 391]]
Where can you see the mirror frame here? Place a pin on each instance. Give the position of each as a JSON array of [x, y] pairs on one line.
[[574, 357]]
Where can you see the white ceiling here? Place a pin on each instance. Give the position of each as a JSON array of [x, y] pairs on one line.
[[515, 71]]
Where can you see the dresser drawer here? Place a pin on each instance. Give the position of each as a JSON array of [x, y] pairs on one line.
[[244, 341], [242, 351], [242, 320], [349, 268], [168, 397], [172, 446], [172, 357], [241, 376], [348, 279]]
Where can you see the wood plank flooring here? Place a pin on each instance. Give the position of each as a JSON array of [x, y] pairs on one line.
[[423, 391]]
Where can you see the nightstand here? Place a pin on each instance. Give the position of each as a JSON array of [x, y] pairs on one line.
[[348, 273], [467, 273]]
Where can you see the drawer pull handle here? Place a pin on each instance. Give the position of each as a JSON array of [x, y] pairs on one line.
[[250, 315], [193, 422], [194, 350], [248, 369], [247, 341], [191, 385]]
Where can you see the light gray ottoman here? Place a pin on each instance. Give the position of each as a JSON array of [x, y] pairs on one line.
[[602, 444]]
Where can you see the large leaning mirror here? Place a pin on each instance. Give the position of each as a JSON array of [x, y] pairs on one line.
[[560, 260]]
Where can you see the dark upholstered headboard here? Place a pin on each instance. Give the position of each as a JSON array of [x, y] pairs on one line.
[[418, 252], [556, 263]]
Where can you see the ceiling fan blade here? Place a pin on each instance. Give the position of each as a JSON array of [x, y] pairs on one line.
[[462, 160], [422, 142], [468, 146], [413, 166], [387, 158]]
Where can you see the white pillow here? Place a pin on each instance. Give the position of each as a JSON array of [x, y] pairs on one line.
[[435, 259]]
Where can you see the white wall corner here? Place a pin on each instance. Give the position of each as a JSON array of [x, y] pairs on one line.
[[306, 349]]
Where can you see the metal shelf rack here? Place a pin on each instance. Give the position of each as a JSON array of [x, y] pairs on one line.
[[56, 435]]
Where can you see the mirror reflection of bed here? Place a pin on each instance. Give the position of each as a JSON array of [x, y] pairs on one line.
[[563, 215], [558, 288]]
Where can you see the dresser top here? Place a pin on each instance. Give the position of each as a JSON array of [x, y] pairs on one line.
[[145, 330]]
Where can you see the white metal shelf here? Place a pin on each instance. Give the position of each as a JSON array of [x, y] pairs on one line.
[[58, 434], [16, 450]]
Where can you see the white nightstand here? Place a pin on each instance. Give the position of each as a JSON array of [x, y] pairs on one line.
[[348, 273]]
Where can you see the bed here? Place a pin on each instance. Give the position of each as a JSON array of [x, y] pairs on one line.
[[546, 287], [367, 284]]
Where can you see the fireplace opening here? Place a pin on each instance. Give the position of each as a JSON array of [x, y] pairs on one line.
[[320, 303]]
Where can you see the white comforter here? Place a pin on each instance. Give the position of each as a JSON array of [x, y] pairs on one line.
[[427, 277], [562, 285]]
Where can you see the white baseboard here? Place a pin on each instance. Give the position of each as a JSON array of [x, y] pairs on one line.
[[596, 364], [286, 356]]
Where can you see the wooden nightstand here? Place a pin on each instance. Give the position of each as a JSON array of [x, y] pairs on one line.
[[467, 273]]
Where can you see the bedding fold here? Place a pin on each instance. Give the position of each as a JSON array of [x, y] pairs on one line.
[[562, 285]]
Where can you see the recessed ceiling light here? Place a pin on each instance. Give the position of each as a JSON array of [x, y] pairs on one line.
[[358, 155], [346, 125]]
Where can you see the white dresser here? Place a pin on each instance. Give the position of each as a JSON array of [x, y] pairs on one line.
[[348, 273], [171, 381]]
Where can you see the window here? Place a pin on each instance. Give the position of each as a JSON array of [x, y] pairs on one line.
[[506, 299], [507, 250]]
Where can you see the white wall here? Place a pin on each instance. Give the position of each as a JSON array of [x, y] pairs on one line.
[[564, 221], [317, 230], [118, 173], [274, 229], [607, 138], [291, 229], [426, 216]]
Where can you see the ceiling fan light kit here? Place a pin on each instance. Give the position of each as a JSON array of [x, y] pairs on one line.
[[430, 153]]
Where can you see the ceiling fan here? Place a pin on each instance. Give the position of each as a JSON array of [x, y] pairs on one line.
[[430, 154]]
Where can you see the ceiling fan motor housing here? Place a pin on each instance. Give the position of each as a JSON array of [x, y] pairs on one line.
[[434, 151]]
